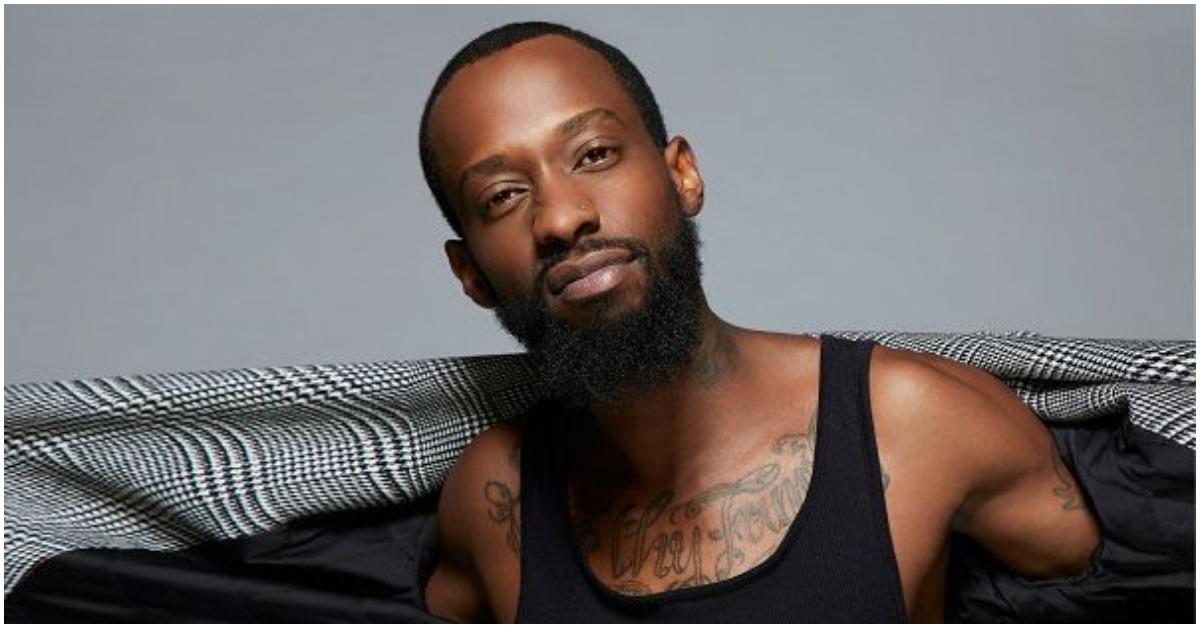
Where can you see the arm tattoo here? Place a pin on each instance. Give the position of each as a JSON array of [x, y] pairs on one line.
[[887, 479], [1066, 490], [503, 510]]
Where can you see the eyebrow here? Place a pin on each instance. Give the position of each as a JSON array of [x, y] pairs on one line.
[[577, 122], [567, 128]]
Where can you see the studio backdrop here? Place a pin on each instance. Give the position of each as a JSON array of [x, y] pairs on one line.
[[207, 187]]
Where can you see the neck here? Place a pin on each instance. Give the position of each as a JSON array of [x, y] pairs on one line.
[[670, 435]]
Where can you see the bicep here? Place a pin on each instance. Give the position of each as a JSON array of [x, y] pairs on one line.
[[455, 593], [1014, 493], [454, 590], [1024, 503], [478, 531]]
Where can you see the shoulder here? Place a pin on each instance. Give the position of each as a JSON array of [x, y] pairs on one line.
[[965, 418], [481, 491], [478, 522], [992, 456], [918, 375], [929, 387], [493, 446]]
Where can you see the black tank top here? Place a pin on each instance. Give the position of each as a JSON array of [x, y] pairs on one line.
[[834, 564]]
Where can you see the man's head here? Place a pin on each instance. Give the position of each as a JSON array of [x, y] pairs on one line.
[[549, 165], [506, 36]]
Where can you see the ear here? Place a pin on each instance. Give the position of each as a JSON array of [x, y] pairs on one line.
[[685, 174], [474, 284]]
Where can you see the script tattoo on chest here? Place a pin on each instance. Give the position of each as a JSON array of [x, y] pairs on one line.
[[723, 531]]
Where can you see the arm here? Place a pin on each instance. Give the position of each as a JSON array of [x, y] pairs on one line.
[[477, 572], [1015, 495]]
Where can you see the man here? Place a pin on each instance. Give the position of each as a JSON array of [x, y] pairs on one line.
[[689, 469]]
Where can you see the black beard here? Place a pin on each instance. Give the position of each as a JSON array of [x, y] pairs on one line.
[[607, 361]]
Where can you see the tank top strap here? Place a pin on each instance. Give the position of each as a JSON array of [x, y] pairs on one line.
[[546, 554], [852, 489], [845, 412]]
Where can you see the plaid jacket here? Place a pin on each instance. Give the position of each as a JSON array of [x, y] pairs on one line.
[[169, 461]]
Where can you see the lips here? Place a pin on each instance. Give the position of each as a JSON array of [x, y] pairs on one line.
[[564, 273]]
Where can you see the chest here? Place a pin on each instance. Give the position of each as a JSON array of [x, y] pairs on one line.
[[667, 542]]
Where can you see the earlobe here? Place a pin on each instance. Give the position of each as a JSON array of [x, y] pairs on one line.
[[681, 163], [474, 284]]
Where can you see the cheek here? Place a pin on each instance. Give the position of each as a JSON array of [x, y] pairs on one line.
[[509, 272], [638, 201]]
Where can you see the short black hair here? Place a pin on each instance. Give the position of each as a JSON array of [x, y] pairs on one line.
[[503, 37]]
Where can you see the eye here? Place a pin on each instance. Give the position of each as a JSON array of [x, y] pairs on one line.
[[499, 200], [597, 155]]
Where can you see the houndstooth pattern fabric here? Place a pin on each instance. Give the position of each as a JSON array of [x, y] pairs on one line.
[[166, 461]]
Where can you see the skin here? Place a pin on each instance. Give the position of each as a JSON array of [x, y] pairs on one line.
[[696, 480]]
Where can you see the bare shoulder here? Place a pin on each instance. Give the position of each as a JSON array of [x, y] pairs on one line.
[[951, 401], [914, 368], [478, 518], [959, 416], [989, 454], [482, 491], [495, 450]]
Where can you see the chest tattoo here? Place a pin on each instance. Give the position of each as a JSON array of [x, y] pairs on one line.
[[727, 529]]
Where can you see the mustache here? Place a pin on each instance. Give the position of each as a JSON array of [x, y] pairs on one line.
[[636, 247]]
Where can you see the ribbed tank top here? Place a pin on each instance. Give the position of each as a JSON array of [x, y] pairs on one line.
[[835, 562]]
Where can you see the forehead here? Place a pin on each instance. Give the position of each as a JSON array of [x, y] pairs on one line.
[[518, 96]]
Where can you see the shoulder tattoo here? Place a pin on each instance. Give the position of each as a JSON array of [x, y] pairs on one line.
[[504, 503]]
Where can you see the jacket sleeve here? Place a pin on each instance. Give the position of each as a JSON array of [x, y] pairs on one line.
[[350, 567]]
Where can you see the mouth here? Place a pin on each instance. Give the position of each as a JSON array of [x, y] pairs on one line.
[[590, 275]]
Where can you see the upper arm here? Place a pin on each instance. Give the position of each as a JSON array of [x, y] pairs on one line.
[[1014, 494], [479, 531]]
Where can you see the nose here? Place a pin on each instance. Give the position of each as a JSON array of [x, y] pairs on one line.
[[562, 216]]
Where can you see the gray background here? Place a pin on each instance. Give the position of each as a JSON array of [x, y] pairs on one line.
[[194, 188]]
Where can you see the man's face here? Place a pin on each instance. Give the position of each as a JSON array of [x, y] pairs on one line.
[[548, 165]]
